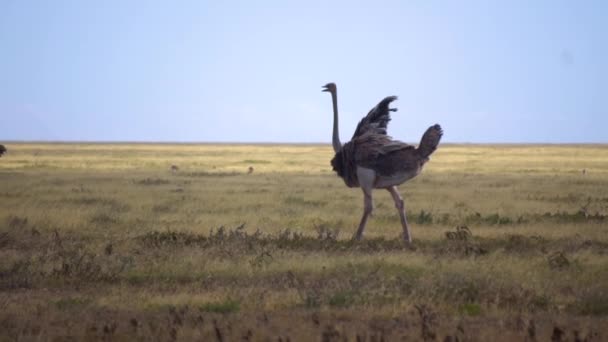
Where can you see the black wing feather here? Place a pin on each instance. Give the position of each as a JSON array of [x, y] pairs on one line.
[[377, 119]]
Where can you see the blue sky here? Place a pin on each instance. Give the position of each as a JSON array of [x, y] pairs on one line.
[[252, 71]]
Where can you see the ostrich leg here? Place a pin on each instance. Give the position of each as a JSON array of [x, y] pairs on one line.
[[367, 210], [401, 209], [366, 178]]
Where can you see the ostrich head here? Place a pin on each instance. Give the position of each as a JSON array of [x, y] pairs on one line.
[[330, 87]]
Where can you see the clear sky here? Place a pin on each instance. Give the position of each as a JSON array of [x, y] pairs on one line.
[[252, 71]]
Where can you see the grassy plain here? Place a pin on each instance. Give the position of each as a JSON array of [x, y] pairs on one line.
[[104, 241]]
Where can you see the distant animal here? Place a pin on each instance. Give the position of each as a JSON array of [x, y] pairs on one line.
[[174, 168], [2, 150], [373, 160], [584, 171], [250, 170]]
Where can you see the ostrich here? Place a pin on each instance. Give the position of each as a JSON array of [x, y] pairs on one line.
[[373, 160], [250, 170], [2, 150]]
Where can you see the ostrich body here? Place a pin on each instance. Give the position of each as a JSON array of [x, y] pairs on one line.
[[2, 150], [373, 160]]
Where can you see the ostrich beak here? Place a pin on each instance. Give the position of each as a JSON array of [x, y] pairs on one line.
[[325, 88]]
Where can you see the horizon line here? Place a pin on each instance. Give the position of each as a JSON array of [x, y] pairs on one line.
[[169, 142]]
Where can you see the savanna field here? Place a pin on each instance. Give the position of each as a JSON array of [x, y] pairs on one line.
[[107, 242]]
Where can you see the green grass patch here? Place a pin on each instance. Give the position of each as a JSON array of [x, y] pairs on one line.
[[69, 303], [223, 307], [342, 299], [470, 309]]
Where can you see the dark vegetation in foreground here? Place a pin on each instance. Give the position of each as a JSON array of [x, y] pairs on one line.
[[328, 301]]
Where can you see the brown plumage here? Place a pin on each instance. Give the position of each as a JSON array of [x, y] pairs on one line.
[[373, 160]]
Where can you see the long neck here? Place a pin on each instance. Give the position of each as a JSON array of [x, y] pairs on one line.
[[336, 136]]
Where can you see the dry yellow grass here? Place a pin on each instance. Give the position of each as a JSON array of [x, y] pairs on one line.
[[109, 234]]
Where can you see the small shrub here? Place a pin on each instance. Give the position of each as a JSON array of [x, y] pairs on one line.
[[462, 233], [558, 260], [312, 299], [496, 219], [263, 259], [324, 232], [424, 218], [461, 242]]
